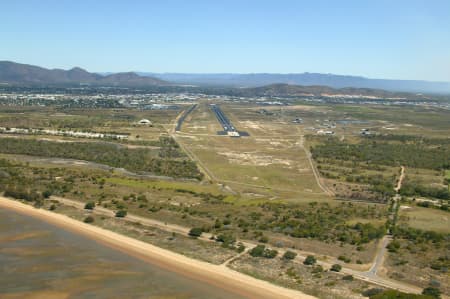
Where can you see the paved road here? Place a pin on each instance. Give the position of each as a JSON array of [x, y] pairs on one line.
[[379, 257]]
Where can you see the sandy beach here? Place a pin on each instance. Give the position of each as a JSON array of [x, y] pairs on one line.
[[218, 276]]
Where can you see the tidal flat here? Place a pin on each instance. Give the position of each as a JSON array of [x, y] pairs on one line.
[[39, 260]]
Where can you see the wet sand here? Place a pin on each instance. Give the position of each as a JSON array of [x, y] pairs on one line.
[[217, 276]]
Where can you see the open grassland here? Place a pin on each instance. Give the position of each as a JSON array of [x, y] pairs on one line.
[[270, 160], [122, 121], [416, 118], [426, 177], [166, 185], [426, 219]]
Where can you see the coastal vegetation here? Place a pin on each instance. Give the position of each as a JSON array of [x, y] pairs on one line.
[[166, 162]]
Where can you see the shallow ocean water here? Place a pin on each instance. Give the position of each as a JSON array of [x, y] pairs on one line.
[[39, 260]]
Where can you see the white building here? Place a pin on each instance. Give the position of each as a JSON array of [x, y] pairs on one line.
[[145, 122]]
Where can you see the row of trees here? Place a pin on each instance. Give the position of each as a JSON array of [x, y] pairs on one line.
[[415, 155], [412, 188]]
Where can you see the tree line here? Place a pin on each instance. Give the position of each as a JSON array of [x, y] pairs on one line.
[[136, 160], [415, 155]]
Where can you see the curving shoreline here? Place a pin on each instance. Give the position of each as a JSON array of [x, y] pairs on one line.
[[218, 276]]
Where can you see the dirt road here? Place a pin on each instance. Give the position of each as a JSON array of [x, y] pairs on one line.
[[369, 276], [400, 179], [314, 169]]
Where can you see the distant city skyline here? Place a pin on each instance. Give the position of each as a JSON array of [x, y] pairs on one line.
[[375, 39]]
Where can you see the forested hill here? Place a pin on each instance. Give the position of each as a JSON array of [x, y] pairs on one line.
[[24, 74]]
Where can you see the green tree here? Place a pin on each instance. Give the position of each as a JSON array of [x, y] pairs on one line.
[[348, 277], [432, 292], [47, 193], [121, 213], [257, 251], [89, 205], [195, 232], [262, 251], [336, 268], [289, 255], [240, 247], [310, 260]]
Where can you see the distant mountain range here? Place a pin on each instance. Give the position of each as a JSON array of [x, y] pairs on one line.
[[12, 73], [24, 74], [287, 90], [305, 79]]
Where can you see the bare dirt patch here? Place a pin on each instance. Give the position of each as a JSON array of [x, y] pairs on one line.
[[254, 159]]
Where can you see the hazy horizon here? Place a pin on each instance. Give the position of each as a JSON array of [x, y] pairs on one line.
[[146, 72], [408, 40]]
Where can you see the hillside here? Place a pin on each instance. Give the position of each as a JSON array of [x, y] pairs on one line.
[[287, 90], [24, 74], [305, 79]]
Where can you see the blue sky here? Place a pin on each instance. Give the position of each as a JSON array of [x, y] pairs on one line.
[[379, 39]]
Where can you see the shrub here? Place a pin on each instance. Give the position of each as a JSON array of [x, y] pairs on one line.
[[240, 248], [348, 277], [262, 251], [344, 259], [89, 205], [372, 292], [336, 268], [263, 239], [310, 260], [289, 255], [142, 197], [52, 207], [270, 253], [121, 213], [226, 239], [257, 251], [195, 232], [88, 219], [394, 246], [432, 292], [393, 294], [47, 193]]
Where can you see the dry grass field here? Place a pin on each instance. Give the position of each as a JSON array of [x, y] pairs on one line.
[[270, 162], [425, 218]]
